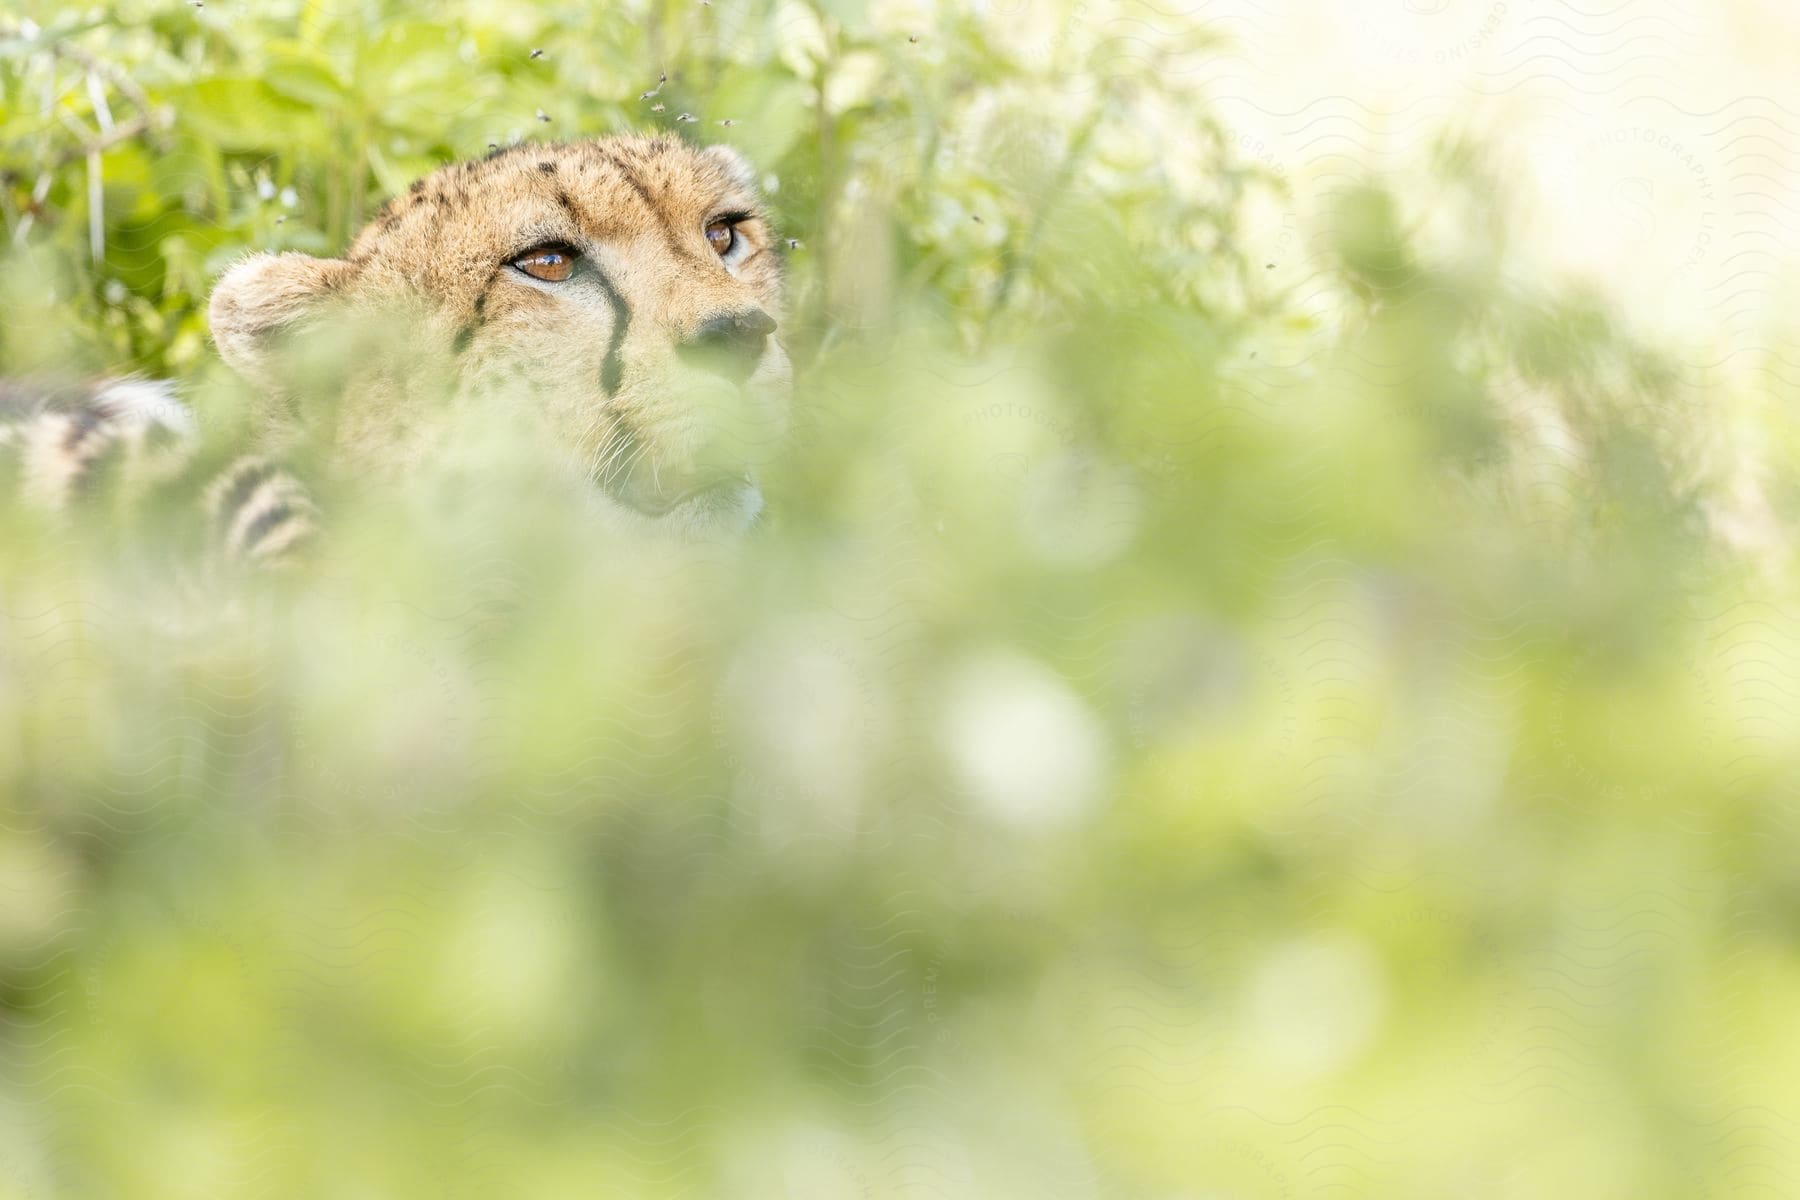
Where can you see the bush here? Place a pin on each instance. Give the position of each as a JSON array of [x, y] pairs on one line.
[[1187, 729]]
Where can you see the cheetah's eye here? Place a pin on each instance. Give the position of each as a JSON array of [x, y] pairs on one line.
[[552, 264], [722, 235]]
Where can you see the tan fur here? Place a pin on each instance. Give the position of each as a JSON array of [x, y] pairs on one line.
[[428, 282]]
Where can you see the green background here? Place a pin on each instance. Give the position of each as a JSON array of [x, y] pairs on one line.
[[1186, 731]]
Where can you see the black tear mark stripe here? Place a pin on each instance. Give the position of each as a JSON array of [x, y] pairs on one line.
[[482, 299], [612, 370], [466, 334]]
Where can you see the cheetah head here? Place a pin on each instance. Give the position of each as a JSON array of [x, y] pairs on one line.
[[624, 292]]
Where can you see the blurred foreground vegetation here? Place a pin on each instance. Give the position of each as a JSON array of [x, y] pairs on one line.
[[1188, 729]]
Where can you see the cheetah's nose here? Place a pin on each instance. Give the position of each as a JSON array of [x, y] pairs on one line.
[[729, 343]]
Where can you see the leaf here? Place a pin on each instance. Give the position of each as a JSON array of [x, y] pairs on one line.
[[768, 112], [239, 113], [394, 173], [849, 13], [302, 74], [129, 176]]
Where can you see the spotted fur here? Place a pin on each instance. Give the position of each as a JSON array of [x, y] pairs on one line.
[[653, 366], [606, 362]]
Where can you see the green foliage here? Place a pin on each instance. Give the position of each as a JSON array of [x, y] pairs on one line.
[[1174, 737], [941, 166]]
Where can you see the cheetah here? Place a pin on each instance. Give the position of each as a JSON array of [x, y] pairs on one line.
[[623, 295]]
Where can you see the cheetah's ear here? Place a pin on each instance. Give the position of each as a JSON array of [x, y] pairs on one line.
[[264, 299], [736, 166]]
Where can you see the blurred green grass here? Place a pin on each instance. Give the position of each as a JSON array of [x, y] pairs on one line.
[[1167, 742]]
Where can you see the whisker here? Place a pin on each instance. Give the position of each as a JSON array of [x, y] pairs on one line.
[[623, 460]]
